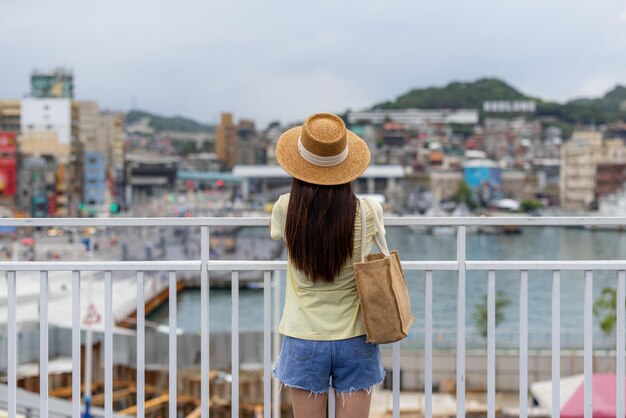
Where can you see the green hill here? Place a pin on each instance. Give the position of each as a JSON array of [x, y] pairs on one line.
[[174, 123], [456, 95], [471, 95], [608, 108]]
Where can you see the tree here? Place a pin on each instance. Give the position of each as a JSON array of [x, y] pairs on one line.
[[463, 194], [530, 205], [604, 310], [481, 312]]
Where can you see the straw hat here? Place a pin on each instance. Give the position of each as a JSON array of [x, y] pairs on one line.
[[322, 151]]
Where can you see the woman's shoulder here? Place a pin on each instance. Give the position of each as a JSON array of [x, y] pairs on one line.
[[281, 205], [374, 204], [283, 200]]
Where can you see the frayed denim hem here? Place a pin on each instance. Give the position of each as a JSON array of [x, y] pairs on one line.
[[352, 390], [289, 385]]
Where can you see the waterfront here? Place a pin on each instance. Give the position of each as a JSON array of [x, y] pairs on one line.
[[535, 243]]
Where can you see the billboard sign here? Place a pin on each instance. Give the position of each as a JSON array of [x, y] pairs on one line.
[[510, 106], [7, 142]]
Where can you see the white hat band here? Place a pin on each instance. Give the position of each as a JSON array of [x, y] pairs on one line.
[[320, 160]]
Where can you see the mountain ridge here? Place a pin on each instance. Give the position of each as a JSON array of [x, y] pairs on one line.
[[456, 94]]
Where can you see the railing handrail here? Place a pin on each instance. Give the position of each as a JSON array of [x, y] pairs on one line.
[[204, 265], [246, 265], [263, 221]]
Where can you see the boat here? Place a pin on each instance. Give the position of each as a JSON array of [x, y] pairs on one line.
[[502, 229], [611, 205]]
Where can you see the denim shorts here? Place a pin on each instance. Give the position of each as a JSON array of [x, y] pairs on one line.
[[346, 365]]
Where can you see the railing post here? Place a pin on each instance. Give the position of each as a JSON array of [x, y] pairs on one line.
[[267, 345], [234, 348], [43, 344], [172, 366], [491, 344], [276, 342], [76, 344], [588, 351], [108, 344], [523, 345], [428, 346], [12, 345], [619, 352], [556, 344], [204, 321], [141, 340], [332, 400], [395, 383], [460, 323]]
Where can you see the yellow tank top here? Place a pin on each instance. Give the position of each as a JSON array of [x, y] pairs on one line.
[[323, 311]]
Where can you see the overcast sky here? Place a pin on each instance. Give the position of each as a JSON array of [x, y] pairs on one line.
[[269, 59]]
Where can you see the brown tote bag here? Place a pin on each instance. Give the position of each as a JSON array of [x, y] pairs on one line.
[[382, 290]]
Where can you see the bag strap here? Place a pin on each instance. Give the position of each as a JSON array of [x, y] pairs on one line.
[[363, 228], [379, 237]]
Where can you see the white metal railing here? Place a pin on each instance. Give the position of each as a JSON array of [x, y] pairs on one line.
[[204, 266]]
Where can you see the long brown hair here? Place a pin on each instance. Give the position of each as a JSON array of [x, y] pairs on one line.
[[319, 229]]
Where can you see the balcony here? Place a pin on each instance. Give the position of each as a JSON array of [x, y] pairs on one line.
[[17, 401]]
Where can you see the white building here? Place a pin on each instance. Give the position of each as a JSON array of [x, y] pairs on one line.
[[48, 115], [415, 117], [580, 157]]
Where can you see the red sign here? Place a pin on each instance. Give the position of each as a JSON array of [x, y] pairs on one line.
[[52, 203], [92, 317], [7, 163], [7, 176], [7, 142]]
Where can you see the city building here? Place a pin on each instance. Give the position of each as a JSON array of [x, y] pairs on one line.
[[579, 158], [444, 183], [250, 150], [111, 133], [47, 115], [394, 134], [484, 177], [610, 179], [226, 134], [367, 133], [510, 138], [87, 118], [518, 185], [271, 135], [262, 178], [201, 162], [547, 172], [46, 140], [10, 112], [37, 186], [94, 180], [55, 83], [149, 175], [414, 117]]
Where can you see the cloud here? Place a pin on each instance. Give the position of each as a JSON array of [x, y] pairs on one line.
[[598, 85], [266, 96], [282, 60]]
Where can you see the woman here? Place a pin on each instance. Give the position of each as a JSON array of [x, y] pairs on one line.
[[324, 335]]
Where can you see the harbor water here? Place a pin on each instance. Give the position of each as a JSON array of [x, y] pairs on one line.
[[534, 243]]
